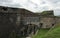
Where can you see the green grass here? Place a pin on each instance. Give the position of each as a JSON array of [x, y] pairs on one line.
[[41, 33], [55, 33]]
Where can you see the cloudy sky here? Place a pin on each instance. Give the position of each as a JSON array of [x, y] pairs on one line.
[[34, 5]]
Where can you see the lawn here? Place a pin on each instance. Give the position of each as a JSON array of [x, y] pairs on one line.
[[41, 33], [53, 33]]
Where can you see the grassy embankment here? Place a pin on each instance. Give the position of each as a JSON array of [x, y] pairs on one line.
[[40, 33], [53, 33]]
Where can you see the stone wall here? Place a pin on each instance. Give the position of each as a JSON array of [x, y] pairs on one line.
[[7, 24], [32, 20], [11, 20], [47, 22], [23, 21], [57, 20]]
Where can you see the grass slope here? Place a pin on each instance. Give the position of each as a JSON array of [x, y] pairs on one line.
[[55, 33], [41, 33]]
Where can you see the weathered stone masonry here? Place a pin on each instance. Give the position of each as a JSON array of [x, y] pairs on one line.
[[11, 19], [23, 22]]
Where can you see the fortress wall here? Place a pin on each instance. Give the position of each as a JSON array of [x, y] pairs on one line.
[[47, 22]]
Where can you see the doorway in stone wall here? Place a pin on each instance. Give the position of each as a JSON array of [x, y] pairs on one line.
[[41, 24], [52, 25]]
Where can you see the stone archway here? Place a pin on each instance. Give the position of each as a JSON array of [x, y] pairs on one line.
[[41, 24]]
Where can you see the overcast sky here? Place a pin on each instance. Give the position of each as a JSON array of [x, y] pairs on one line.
[[34, 5]]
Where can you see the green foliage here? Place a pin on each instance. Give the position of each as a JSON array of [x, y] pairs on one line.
[[47, 13], [44, 13]]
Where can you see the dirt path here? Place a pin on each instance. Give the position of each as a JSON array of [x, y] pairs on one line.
[[28, 37]]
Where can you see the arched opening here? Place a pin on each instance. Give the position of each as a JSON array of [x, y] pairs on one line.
[[41, 25], [52, 24]]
